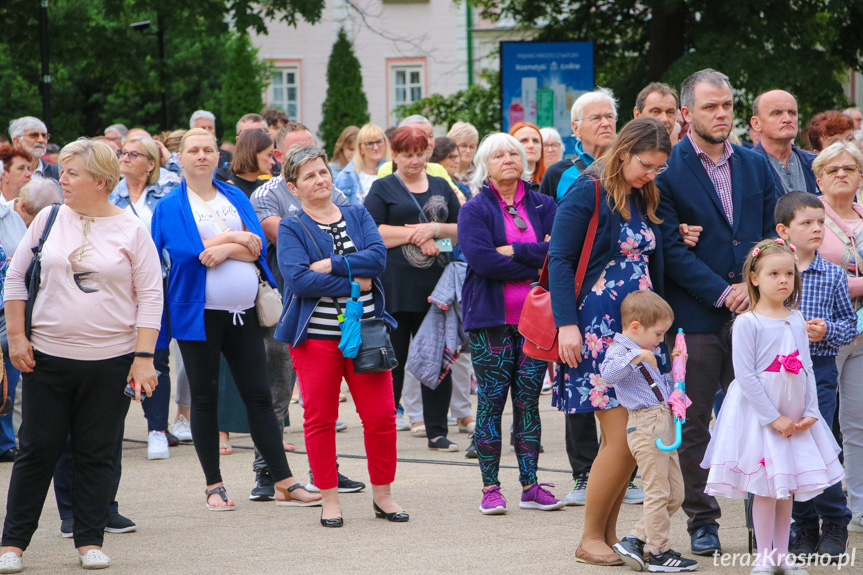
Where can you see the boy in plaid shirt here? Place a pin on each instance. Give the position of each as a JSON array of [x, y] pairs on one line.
[[831, 323], [631, 367]]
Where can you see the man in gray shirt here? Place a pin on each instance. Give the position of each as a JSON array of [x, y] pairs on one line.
[[272, 202], [774, 116]]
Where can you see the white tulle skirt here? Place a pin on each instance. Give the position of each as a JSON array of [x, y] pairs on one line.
[[746, 457]]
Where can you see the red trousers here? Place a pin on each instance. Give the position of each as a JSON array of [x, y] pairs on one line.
[[320, 368]]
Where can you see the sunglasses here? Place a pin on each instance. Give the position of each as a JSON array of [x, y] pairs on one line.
[[517, 219], [310, 153]]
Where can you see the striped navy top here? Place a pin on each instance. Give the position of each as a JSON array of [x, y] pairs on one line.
[[324, 323]]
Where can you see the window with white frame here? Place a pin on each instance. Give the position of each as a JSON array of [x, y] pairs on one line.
[[407, 82], [284, 90]]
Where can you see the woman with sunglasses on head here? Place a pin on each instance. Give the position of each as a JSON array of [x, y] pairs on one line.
[[503, 233], [371, 151], [626, 256]]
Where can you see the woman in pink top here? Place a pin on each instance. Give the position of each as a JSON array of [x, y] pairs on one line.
[[94, 326], [503, 232], [839, 172]]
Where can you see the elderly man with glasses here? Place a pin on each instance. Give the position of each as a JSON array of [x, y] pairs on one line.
[[31, 134]]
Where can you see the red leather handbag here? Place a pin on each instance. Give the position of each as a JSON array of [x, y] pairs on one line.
[[536, 322]]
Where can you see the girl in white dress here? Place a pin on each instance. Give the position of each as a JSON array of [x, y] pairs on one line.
[[769, 439]]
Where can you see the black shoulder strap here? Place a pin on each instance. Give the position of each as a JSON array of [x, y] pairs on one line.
[[579, 163], [412, 197], [320, 252], [48, 225]]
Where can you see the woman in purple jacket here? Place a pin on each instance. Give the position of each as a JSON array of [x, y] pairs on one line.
[[503, 233]]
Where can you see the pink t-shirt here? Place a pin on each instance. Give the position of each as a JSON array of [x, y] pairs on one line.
[[514, 293], [101, 280]]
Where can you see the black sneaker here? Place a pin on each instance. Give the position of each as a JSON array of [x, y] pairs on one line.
[[119, 524], [172, 439], [264, 489], [670, 562], [9, 456], [833, 542], [67, 527], [347, 485], [470, 452], [805, 541], [631, 551]]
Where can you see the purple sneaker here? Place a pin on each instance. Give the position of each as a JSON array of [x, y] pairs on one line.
[[538, 497], [493, 502]]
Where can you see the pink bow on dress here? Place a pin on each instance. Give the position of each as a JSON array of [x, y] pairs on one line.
[[790, 363]]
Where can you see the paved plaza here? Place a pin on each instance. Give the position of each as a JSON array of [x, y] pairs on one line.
[[441, 491]]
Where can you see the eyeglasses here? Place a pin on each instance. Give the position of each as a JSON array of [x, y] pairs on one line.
[[551, 145], [597, 118], [37, 135], [517, 219], [454, 156], [471, 147], [373, 144], [649, 170], [848, 169], [132, 155]]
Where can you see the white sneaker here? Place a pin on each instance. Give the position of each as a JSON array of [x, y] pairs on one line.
[[94, 559], [451, 421], [157, 445], [856, 524], [11, 563], [182, 429], [402, 423]]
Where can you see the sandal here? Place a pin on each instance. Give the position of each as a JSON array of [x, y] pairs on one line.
[[418, 430], [342, 398], [289, 502], [220, 491], [225, 448], [289, 447], [463, 427]]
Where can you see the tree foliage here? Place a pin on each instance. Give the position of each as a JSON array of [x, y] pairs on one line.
[[104, 72], [803, 46], [346, 103], [479, 105]]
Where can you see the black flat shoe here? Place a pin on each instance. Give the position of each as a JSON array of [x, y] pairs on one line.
[[397, 517], [332, 522]]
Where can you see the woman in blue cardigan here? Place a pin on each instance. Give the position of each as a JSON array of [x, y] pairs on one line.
[[626, 256], [503, 233], [321, 250], [210, 238]]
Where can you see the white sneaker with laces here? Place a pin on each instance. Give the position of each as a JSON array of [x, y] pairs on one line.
[[157, 445], [182, 429], [856, 524], [11, 563], [94, 559]]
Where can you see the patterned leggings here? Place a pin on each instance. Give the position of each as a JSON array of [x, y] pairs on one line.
[[500, 367]]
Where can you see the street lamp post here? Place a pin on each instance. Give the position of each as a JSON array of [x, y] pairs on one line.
[[160, 38]]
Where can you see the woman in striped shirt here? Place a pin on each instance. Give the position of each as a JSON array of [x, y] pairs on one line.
[[314, 284]]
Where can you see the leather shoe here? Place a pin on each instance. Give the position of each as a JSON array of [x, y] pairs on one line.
[[332, 521], [583, 556], [705, 540]]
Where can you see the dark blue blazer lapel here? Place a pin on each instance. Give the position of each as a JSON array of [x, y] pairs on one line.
[[692, 161], [736, 190]]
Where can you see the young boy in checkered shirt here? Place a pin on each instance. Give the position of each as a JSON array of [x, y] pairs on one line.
[[631, 367], [831, 323]]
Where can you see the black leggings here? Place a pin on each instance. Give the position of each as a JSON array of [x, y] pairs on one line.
[[68, 397], [242, 345], [435, 401]]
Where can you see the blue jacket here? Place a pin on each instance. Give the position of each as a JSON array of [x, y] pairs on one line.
[[806, 159], [304, 288], [567, 240], [179, 243], [481, 229], [154, 192], [696, 277], [349, 183]]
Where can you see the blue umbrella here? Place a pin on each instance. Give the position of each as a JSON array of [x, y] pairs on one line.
[[350, 321]]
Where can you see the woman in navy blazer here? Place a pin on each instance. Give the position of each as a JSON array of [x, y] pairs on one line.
[[321, 250], [503, 233], [208, 234], [626, 256]]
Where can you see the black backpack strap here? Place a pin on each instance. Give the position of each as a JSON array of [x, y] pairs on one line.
[[579, 163], [48, 225]]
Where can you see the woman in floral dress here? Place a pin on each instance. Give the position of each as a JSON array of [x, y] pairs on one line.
[[626, 257]]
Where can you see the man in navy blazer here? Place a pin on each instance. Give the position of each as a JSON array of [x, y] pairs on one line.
[[774, 114], [731, 193]]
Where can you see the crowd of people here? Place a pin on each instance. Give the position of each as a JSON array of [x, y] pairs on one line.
[[153, 250]]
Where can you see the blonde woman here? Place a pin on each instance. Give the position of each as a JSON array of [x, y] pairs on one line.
[[467, 139], [371, 151], [94, 328]]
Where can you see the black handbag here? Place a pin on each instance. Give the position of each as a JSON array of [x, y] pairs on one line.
[[376, 354], [33, 275]]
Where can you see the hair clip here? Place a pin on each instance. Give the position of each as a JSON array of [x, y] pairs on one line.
[[755, 252], [780, 241], [792, 248]]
